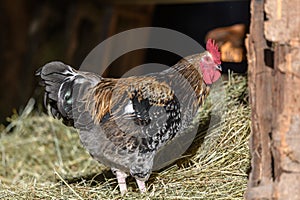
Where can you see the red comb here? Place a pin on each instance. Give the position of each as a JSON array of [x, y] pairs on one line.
[[213, 49]]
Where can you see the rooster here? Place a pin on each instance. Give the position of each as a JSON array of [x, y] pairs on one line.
[[124, 122]]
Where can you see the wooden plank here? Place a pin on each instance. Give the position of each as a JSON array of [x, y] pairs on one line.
[[260, 97]]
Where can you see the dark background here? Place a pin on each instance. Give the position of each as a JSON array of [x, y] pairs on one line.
[[35, 32]]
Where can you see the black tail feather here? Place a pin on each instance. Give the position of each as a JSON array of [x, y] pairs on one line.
[[58, 78]]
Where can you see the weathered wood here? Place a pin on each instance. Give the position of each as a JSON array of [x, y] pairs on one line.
[[260, 97], [275, 99], [286, 122], [283, 22]]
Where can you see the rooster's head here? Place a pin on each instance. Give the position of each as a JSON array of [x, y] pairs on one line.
[[210, 63]]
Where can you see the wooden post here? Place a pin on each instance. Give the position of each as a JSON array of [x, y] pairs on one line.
[[274, 82]]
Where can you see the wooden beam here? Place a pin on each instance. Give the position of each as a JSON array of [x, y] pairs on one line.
[[163, 1], [260, 88], [274, 97]]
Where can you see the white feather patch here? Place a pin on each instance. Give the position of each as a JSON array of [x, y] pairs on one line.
[[129, 108]]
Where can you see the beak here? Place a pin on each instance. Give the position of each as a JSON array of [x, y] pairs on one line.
[[219, 67]]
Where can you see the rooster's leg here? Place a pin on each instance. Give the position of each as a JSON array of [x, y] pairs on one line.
[[121, 177], [141, 185]]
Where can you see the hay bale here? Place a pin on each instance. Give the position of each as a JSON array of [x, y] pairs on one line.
[[43, 159]]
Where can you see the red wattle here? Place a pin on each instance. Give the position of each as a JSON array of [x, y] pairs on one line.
[[211, 76], [207, 77], [217, 75]]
